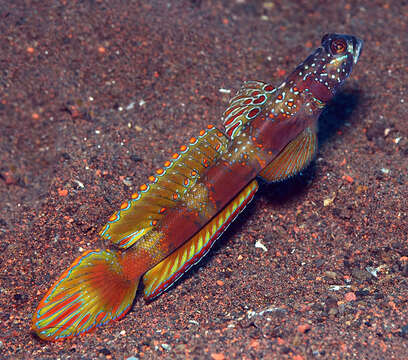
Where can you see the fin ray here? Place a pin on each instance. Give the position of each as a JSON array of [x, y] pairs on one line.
[[91, 292], [245, 105], [164, 274], [139, 215], [293, 158]]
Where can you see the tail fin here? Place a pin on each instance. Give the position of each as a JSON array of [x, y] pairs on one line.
[[91, 292]]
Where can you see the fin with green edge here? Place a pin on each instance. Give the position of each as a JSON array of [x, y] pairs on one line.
[[91, 292], [147, 206], [166, 273]]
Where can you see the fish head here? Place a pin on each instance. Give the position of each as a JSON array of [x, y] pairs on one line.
[[326, 69], [342, 52]]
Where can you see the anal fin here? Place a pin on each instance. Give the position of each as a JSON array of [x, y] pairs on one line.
[[293, 158], [164, 274]]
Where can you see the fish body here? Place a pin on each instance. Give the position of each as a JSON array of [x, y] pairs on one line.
[[170, 223]]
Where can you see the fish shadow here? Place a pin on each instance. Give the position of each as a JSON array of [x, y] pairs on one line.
[[336, 114]]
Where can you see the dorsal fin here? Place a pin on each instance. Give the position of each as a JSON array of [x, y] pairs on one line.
[[165, 273], [293, 158], [140, 214], [245, 106]]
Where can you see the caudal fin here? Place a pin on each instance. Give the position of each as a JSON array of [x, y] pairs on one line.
[[91, 292]]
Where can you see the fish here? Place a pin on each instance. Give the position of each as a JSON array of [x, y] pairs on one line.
[[170, 223]]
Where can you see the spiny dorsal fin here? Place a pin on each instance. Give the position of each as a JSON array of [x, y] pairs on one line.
[[293, 158], [245, 106], [164, 274], [147, 206]]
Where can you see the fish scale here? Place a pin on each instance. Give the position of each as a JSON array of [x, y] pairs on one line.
[[172, 221]]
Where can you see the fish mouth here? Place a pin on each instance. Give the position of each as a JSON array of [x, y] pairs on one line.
[[357, 51]]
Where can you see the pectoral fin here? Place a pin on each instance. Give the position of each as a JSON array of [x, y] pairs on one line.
[[293, 158], [164, 274]]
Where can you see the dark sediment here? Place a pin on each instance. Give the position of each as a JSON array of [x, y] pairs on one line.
[[95, 95]]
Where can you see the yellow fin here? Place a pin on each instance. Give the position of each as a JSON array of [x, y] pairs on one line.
[[91, 292], [293, 158], [140, 214], [164, 274]]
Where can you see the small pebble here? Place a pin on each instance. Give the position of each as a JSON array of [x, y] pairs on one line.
[[217, 356], [62, 192], [348, 178], [303, 328], [259, 244], [331, 274], [350, 296], [8, 177], [166, 347]]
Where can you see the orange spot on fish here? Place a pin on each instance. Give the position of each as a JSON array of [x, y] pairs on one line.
[[162, 210], [152, 178], [160, 171], [154, 222], [167, 163], [210, 126], [186, 182], [113, 217], [175, 156], [228, 112], [143, 187], [193, 140], [175, 196], [202, 132], [135, 195], [124, 205], [280, 97], [183, 148], [193, 173]]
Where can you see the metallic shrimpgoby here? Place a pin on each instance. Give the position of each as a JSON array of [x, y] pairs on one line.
[[170, 223]]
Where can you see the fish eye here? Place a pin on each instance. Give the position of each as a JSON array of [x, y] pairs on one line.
[[338, 46]]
